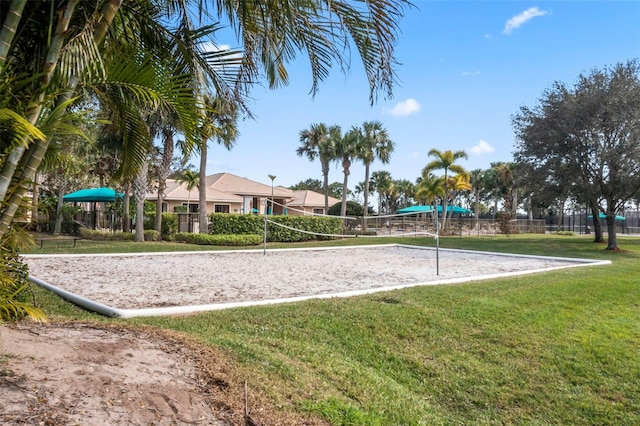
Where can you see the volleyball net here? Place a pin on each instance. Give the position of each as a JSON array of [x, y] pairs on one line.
[[394, 225]]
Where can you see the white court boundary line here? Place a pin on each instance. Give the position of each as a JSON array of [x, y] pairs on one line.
[[177, 310]]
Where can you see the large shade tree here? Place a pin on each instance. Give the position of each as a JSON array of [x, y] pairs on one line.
[[587, 139]]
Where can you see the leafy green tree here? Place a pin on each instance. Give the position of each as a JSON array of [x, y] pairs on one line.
[[445, 160], [587, 139], [309, 184]]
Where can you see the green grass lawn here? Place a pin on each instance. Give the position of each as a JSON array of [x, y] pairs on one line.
[[556, 348]]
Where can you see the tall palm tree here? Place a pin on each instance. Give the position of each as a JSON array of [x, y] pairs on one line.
[[191, 179], [444, 160], [346, 149], [382, 183], [220, 124], [315, 144], [477, 179], [375, 144], [455, 185]]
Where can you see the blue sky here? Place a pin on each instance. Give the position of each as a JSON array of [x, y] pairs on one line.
[[466, 68]]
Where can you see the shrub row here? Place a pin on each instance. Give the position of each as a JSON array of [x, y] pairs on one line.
[[219, 240], [239, 224], [92, 234]]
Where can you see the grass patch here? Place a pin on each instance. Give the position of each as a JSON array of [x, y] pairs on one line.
[[554, 348]]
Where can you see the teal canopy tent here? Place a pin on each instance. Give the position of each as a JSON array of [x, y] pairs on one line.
[[93, 195], [428, 209], [416, 209], [603, 216]]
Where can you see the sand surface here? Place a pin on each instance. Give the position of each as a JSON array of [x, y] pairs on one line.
[[170, 279]]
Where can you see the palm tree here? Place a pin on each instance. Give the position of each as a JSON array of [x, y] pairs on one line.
[[456, 184], [429, 189], [315, 144], [221, 124], [191, 179], [444, 160], [375, 144], [346, 148], [382, 183], [477, 179]]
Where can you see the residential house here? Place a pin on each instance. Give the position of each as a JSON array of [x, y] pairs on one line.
[[306, 202]]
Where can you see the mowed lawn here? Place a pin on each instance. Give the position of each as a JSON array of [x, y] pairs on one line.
[[556, 348]]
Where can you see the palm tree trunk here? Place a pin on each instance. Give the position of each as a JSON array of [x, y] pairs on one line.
[[202, 191], [366, 197], [126, 205], [9, 28], [57, 227], [163, 174], [346, 165], [139, 190], [325, 184]]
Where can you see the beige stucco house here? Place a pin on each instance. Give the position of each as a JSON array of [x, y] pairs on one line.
[[307, 202], [228, 193]]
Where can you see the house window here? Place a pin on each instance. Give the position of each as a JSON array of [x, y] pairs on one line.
[[221, 208], [193, 208], [318, 211]]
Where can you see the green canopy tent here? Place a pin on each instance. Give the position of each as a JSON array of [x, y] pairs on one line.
[[93, 195], [604, 216]]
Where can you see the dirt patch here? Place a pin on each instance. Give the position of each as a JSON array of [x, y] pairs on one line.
[[81, 374]]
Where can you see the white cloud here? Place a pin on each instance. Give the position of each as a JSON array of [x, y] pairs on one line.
[[483, 147], [470, 73], [522, 18], [408, 107]]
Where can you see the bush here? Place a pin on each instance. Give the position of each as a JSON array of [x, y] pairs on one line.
[[151, 235], [503, 218], [169, 224], [242, 224], [219, 240], [92, 234], [353, 209]]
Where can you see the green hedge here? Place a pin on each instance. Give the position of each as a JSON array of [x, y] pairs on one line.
[[92, 234], [240, 224], [219, 240]]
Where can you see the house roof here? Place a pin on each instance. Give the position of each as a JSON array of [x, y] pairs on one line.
[[178, 192], [310, 198], [229, 183]]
